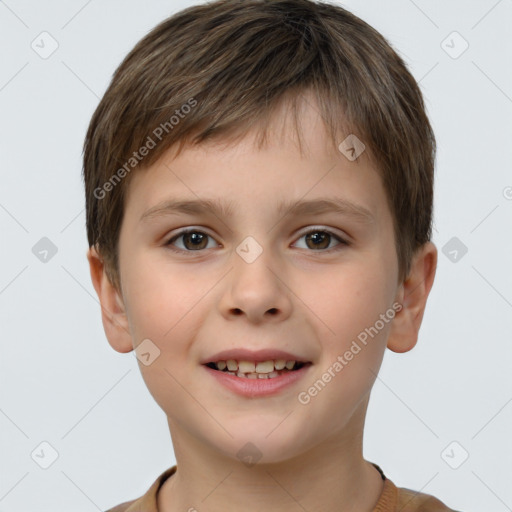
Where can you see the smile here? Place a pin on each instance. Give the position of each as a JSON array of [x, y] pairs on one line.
[[253, 379], [256, 370]]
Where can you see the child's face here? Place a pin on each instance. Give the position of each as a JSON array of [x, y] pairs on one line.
[[308, 301]]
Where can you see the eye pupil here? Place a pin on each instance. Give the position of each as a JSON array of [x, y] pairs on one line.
[[195, 237], [318, 236]]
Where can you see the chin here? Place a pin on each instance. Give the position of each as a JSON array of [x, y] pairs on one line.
[[262, 443]]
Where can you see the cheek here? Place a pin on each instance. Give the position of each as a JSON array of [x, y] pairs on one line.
[[159, 295], [353, 345], [167, 307], [349, 303]]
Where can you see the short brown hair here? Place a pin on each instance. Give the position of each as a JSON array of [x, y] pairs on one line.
[[232, 62]]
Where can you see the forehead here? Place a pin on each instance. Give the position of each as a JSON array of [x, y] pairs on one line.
[[295, 161]]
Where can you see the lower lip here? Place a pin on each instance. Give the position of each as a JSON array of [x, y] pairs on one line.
[[258, 387]]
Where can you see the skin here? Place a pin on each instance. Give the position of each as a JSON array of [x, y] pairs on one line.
[[295, 297]]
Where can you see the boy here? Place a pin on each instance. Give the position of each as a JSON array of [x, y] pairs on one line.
[[260, 263]]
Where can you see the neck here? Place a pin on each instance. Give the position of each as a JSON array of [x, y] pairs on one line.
[[330, 476]]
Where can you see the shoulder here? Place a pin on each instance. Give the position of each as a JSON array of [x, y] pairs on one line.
[[147, 502], [400, 499], [413, 501]]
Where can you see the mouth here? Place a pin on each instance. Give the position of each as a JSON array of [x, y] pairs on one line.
[[270, 369], [257, 378]]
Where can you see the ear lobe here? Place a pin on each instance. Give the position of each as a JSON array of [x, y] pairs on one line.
[[113, 312], [413, 294]]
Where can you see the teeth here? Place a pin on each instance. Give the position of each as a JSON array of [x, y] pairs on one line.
[[252, 367], [248, 366], [265, 367], [252, 370], [270, 375], [279, 364], [232, 365]]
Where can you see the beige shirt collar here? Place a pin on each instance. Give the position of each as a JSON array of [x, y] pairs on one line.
[[392, 499]]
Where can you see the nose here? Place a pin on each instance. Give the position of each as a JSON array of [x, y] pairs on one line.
[[256, 289]]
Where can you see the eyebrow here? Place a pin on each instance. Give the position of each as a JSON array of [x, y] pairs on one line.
[[226, 209]]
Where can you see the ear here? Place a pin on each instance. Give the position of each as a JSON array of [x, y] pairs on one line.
[[413, 294], [113, 312]]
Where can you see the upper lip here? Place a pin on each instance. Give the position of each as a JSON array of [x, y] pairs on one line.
[[242, 354]]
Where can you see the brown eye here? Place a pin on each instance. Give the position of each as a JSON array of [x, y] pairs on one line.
[[193, 240], [320, 240]]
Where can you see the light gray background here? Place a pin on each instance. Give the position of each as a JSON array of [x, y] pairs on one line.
[[61, 382]]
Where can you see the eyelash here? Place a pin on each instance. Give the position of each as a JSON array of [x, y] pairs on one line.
[[178, 235]]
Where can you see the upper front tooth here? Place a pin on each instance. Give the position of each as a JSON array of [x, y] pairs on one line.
[[246, 366], [265, 367], [290, 364]]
